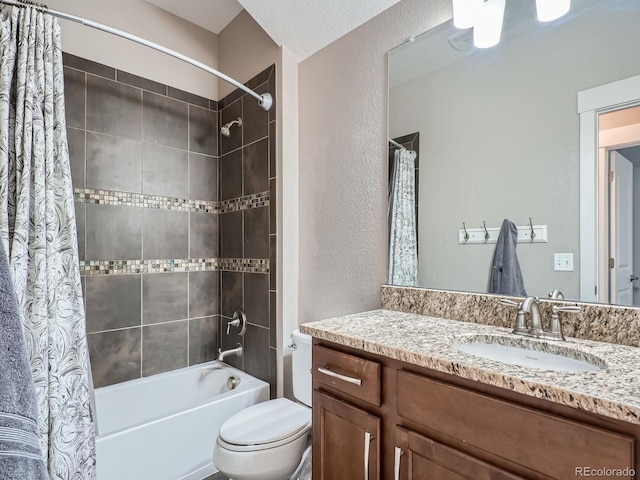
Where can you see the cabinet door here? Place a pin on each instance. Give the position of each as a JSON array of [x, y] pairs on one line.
[[545, 444], [346, 440], [419, 458]]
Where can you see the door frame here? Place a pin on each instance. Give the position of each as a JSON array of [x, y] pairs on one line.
[[592, 102]]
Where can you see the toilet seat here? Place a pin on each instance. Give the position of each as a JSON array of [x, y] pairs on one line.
[[256, 448], [265, 425]]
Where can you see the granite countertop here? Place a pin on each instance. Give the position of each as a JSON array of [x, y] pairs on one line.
[[427, 341]]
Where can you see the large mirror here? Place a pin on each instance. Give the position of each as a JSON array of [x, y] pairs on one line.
[[497, 134]]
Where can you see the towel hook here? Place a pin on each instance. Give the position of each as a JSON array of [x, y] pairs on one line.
[[486, 232], [466, 234], [533, 233]]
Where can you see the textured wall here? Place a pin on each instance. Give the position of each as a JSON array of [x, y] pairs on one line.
[[148, 21], [343, 161], [244, 49]]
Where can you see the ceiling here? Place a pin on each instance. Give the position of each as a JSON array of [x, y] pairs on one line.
[[302, 27], [212, 15]]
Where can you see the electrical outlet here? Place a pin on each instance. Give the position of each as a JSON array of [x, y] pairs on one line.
[[563, 262]]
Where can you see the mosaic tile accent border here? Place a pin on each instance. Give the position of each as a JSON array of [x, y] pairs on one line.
[[256, 200], [248, 265], [141, 200], [130, 267]]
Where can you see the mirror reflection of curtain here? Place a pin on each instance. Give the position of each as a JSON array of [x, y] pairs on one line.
[[403, 245]]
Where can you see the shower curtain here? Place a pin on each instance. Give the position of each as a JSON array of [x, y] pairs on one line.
[[37, 224], [403, 244]]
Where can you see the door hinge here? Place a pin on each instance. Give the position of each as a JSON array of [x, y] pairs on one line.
[[595, 290], [611, 263], [611, 176]]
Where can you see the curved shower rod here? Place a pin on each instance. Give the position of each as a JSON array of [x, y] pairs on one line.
[[265, 100]]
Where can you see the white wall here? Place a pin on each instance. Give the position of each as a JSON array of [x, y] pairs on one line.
[[343, 166], [148, 21]]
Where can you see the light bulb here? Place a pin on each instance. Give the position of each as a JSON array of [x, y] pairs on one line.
[[549, 10], [465, 12], [488, 27]]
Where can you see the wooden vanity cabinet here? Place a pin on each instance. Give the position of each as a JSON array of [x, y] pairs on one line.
[[346, 438], [426, 425]]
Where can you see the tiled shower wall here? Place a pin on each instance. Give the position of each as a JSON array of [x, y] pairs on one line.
[[248, 167], [145, 168]]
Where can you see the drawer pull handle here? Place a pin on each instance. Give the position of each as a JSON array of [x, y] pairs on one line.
[[399, 453], [367, 444], [326, 371]]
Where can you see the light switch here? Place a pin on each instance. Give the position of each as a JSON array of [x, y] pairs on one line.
[[563, 262]]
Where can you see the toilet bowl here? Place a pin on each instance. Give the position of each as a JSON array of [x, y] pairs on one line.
[[266, 441], [263, 442]]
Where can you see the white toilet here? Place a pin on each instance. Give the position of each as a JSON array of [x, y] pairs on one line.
[[266, 441]]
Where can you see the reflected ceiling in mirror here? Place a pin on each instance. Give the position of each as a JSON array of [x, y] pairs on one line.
[[499, 135]]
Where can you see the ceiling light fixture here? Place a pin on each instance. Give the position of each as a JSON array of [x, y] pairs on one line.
[[488, 26], [465, 12], [549, 10], [487, 16]]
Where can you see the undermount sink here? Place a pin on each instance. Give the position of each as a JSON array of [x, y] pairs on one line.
[[528, 353]]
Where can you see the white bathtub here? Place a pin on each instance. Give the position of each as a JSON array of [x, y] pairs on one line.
[[164, 427]]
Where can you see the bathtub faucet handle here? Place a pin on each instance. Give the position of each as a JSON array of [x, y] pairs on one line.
[[239, 320]]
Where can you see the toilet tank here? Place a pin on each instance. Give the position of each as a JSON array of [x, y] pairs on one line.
[[301, 366]]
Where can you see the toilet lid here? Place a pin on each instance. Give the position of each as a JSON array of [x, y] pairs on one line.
[[266, 422]]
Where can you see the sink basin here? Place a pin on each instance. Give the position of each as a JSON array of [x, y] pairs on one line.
[[530, 354]]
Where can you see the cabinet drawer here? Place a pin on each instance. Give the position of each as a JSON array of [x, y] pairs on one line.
[[543, 442], [347, 373]]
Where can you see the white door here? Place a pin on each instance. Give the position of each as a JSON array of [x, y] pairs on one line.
[[621, 229]]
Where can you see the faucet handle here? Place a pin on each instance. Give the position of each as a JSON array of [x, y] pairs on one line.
[[555, 327], [239, 320], [565, 308], [509, 303], [520, 327]]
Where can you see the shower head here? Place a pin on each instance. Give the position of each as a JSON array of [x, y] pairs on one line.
[[226, 129]]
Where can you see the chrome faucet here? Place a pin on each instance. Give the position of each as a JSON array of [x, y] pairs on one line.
[[234, 351], [556, 295], [529, 306]]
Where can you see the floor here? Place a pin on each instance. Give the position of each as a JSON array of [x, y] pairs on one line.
[[217, 476]]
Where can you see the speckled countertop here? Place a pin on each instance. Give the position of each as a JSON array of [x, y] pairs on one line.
[[428, 342]]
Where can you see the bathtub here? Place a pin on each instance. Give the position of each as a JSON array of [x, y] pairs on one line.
[[164, 427]]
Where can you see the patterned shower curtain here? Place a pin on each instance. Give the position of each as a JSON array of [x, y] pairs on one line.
[[37, 224], [403, 245]]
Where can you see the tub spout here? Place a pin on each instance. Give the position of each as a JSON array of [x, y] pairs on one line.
[[234, 351]]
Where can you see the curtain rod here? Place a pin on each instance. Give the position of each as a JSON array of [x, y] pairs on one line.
[[396, 144], [265, 100]]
